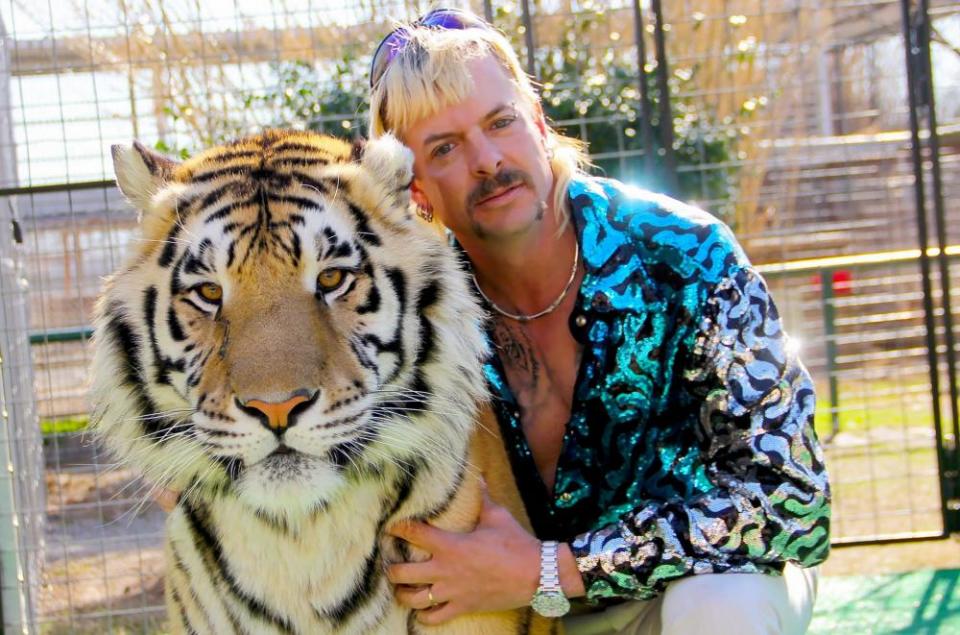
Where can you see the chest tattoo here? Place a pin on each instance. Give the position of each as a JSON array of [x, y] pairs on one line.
[[517, 352]]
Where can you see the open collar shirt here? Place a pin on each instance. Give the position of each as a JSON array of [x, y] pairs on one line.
[[690, 446]]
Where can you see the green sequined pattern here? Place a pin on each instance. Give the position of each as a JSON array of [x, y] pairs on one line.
[[690, 448]]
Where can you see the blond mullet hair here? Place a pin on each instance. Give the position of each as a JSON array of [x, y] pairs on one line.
[[430, 73]]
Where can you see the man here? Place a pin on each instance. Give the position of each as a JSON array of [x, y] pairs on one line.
[[658, 423]]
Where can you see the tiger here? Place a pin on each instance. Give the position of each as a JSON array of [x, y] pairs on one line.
[[298, 354]]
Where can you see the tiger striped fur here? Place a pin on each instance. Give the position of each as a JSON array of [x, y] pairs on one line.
[[299, 356]]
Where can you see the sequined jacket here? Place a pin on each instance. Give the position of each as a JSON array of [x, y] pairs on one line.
[[690, 447]]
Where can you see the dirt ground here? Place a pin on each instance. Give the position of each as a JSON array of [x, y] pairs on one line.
[[894, 557], [103, 558]]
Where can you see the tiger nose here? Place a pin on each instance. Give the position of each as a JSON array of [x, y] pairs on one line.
[[279, 415]]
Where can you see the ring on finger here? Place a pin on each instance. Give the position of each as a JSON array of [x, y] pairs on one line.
[[430, 599]]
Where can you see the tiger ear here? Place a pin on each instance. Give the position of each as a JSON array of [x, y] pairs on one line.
[[391, 164], [357, 149], [141, 172]]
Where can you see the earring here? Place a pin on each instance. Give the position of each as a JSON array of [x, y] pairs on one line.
[[426, 213]]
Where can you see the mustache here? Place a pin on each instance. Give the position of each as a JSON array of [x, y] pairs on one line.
[[501, 180]]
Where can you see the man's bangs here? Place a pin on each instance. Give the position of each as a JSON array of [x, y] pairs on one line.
[[421, 83]]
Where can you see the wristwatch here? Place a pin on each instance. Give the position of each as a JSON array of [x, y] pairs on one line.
[[549, 600]]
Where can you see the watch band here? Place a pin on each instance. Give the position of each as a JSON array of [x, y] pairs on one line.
[[549, 599], [549, 567]]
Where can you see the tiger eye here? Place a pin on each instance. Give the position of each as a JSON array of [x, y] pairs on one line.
[[210, 292], [330, 279]]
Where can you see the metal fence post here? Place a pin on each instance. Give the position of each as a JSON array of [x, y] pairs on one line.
[[646, 131], [666, 113], [921, 28], [528, 38], [912, 48], [830, 342]]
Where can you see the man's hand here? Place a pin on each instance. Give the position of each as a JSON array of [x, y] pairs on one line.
[[493, 568], [166, 498]]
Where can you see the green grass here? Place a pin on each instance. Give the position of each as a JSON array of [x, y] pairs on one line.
[[66, 425], [126, 625], [875, 404]]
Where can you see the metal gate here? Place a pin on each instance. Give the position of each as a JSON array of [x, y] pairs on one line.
[[826, 133]]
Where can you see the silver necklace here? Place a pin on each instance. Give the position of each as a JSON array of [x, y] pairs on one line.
[[550, 309]]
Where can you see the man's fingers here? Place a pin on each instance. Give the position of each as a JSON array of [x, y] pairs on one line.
[[484, 490], [166, 499], [411, 573], [416, 597], [442, 613], [419, 535], [490, 511]]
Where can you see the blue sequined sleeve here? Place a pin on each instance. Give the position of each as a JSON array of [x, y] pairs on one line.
[[769, 501]]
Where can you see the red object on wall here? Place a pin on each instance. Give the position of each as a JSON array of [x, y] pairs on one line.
[[842, 280]]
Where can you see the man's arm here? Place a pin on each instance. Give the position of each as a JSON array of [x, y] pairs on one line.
[[770, 500]]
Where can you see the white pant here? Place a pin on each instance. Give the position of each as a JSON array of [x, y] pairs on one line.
[[714, 604]]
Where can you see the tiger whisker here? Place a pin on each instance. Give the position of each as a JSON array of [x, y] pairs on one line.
[[433, 447], [164, 241], [177, 430], [434, 454], [162, 413], [434, 397], [408, 411], [403, 417], [147, 489], [200, 480], [404, 466]]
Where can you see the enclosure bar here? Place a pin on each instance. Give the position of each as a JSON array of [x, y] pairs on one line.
[[886, 539], [62, 335], [830, 342], [666, 113], [910, 43], [488, 11], [646, 131], [939, 215], [528, 38], [876, 258], [27, 190]]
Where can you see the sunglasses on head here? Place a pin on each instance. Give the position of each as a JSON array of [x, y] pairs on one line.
[[397, 40]]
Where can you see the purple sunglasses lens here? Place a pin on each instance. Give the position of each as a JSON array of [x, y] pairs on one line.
[[393, 45], [397, 40], [443, 20]]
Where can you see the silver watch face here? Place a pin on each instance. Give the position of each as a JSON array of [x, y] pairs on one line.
[[550, 603]]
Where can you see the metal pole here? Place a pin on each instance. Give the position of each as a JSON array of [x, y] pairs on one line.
[[646, 132], [666, 116], [28, 190], [910, 45], [830, 343], [922, 28], [528, 38], [488, 11]]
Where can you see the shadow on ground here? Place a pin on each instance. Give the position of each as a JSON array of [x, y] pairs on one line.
[[917, 602]]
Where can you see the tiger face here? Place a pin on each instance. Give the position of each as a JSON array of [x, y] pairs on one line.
[[284, 324]]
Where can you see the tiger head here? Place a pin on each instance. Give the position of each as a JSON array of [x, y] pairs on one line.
[[283, 323]]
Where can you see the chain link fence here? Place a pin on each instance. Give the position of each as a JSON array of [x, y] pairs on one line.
[[790, 119]]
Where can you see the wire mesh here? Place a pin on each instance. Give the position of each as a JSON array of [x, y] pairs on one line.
[[790, 121]]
